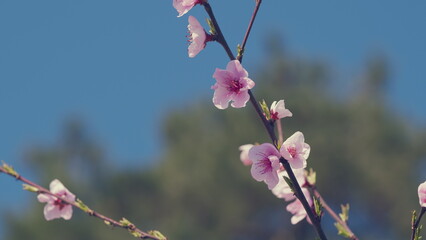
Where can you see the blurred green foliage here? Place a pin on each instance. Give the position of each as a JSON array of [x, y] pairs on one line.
[[363, 151]]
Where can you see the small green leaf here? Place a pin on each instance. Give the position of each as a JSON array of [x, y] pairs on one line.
[[9, 169], [311, 177], [240, 51], [318, 206], [125, 223], [157, 234], [345, 212], [417, 233], [413, 217], [211, 26], [30, 188], [83, 206], [289, 183], [265, 109], [342, 230], [135, 233]]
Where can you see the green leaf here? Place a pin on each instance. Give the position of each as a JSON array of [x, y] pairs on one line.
[[289, 183], [30, 188], [342, 230], [265, 109], [157, 234], [83, 206], [125, 223], [417, 233], [240, 51], [135, 233], [413, 217], [318, 206], [311, 177], [345, 212], [211, 26], [9, 169]]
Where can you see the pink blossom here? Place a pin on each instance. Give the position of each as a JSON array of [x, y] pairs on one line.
[[279, 111], [183, 6], [295, 150], [422, 194], [244, 157], [282, 190], [296, 208], [231, 84], [266, 164], [197, 37], [56, 208]]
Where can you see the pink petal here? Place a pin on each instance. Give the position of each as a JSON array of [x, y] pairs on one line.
[[66, 212], [300, 150], [197, 37], [51, 212], [221, 97], [240, 99], [279, 108], [266, 164], [306, 151], [282, 190], [44, 197], [235, 67], [223, 77], [249, 83], [244, 154], [297, 163], [183, 6]]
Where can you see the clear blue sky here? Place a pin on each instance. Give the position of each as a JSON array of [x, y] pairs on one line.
[[122, 65]]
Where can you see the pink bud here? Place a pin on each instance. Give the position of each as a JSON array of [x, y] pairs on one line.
[[422, 194]]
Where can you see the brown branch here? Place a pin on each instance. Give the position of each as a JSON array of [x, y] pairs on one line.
[[243, 44], [415, 224], [109, 221], [268, 125]]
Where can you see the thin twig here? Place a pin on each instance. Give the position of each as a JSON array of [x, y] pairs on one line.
[[280, 133], [109, 221], [253, 17], [332, 213]]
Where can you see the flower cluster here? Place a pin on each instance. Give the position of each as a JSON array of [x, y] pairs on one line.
[[265, 160], [266, 167], [232, 87]]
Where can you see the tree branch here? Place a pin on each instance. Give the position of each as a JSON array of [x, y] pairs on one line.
[[78, 204]]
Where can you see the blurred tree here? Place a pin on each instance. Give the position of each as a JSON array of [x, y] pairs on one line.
[[363, 152]]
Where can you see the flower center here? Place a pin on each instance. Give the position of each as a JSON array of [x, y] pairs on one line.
[[292, 151], [265, 165], [58, 202], [235, 86], [274, 115]]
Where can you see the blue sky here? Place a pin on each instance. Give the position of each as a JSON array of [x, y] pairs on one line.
[[122, 65]]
